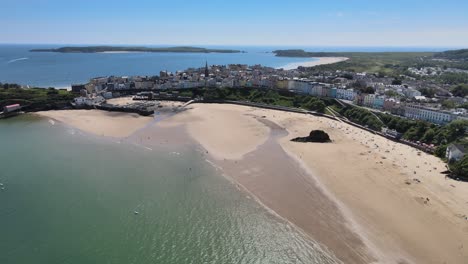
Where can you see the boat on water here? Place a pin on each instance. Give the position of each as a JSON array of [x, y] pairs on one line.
[[136, 212]]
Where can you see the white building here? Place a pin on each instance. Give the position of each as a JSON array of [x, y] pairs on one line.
[[300, 86], [144, 85], [369, 100], [89, 101], [345, 94], [427, 114], [455, 152], [317, 90], [411, 93]]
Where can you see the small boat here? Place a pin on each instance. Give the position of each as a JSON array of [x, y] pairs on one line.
[[1, 184], [136, 212]]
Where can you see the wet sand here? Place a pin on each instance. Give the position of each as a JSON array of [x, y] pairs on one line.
[[102, 123], [279, 182]]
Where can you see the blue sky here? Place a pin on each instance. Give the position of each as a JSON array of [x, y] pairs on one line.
[[240, 22]]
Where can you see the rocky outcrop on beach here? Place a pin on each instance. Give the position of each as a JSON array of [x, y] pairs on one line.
[[317, 136]]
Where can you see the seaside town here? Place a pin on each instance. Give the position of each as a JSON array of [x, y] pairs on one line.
[[181, 132], [398, 97], [394, 133]]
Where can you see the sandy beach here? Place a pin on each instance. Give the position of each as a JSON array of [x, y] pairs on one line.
[[226, 140], [393, 201], [101, 123], [316, 62], [119, 52], [362, 197]]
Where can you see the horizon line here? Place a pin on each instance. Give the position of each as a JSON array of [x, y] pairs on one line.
[[239, 45]]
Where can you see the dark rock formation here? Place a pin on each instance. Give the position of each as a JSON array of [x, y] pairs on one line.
[[315, 136]]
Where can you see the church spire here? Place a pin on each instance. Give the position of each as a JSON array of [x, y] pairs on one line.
[[207, 72]]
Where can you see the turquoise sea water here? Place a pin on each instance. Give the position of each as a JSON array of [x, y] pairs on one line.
[[18, 65], [70, 198]]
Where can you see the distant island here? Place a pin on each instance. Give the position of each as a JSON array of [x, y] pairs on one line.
[[96, 49], [304, 54]]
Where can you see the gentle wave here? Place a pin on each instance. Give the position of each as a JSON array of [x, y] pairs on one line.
[[15, 60]]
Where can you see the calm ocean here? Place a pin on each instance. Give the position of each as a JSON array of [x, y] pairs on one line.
[[71, 198], [18, 65]]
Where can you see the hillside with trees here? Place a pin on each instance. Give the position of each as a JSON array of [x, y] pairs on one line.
[[34, 99], [265, 96], [461, 54]]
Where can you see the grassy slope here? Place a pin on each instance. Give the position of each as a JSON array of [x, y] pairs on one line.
[[388, 63]]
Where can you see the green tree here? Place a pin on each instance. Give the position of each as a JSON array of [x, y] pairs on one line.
[[460, 90], [368, 90], [359, 84], [460, 168], [448, 104], [440, 151], [391, 93], [348, 76], [455, 130], [315, 105], [428, 137], [428, 92]]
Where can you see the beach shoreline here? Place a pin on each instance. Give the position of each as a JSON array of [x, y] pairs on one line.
[[393, 228], [101, 123], [365, 201], [316, 62], [120, 52]]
